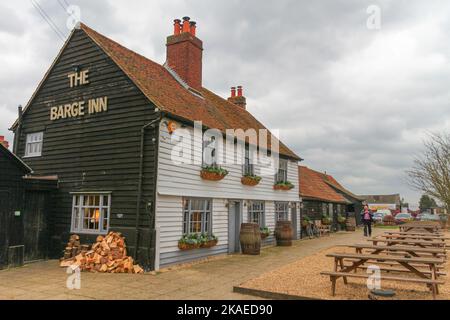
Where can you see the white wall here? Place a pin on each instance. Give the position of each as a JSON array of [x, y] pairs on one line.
[[176, 181], [184, 179]]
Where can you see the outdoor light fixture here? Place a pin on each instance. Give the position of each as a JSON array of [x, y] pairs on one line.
[[77, 68]]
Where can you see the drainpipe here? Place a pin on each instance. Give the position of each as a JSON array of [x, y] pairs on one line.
[[141, 169]]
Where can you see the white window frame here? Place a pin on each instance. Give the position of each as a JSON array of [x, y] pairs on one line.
[[261, 212], [281, 211], [206, 222], [282, 173], [102, 207], [34, 142]]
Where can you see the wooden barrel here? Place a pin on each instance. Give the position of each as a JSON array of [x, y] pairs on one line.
[[351, 224], [250, 238], [284, 233]]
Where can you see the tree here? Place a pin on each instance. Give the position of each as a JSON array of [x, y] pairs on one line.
[[427, 202], [431, 171]]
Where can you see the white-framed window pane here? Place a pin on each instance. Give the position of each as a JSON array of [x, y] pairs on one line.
[[282, 211], [90, 213], [196, 215], [256, 212], [33, 145]]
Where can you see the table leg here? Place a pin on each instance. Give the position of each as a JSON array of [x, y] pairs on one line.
[[341, 263]]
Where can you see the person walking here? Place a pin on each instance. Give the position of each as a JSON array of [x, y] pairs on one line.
[[367, 218]]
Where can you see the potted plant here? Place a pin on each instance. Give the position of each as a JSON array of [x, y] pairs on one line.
[[265, 232], [283, 185], [213, 173], [342, 220], [250, 180], [305, 221], [326, 220]]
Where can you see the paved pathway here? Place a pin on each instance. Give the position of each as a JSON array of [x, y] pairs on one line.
[[209, 280]]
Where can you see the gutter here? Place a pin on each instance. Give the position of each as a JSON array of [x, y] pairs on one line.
[[140, 178]]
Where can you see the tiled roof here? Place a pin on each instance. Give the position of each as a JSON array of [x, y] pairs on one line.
[[336, 185], [314, 185], [171, 97], [382, 199]]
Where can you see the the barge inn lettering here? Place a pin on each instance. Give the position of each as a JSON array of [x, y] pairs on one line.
[[82, 107]]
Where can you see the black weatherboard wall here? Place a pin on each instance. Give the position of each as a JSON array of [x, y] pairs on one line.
[[25, 204], [96, 152]]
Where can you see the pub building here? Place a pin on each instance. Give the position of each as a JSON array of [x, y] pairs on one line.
[[102, 121]]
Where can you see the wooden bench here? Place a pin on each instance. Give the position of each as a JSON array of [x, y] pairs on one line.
[[429, 277], [335, 275], [418, 237]]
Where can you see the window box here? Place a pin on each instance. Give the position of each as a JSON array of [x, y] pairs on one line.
[[196, 241], [213, 173], [250, 180], [283, 185]]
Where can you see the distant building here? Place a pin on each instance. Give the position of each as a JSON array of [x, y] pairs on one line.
[[321, 195], [376, 202]]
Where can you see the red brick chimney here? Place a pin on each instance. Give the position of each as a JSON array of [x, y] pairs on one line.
[[3, 142], [184, 53], [238, 99]]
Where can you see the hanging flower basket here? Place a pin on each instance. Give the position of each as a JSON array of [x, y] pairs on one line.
[[326, 220], [250, 180], [213, 173], [305, 222], [284, 186]]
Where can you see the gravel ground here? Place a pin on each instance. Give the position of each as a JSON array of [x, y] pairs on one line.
[[302, 278]]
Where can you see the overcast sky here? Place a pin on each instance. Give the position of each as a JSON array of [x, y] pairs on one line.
[[352, 101]]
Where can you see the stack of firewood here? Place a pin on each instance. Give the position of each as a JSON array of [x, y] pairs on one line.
[[107, 254], [74, 247]]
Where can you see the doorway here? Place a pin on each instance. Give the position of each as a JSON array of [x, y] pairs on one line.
[[234, 225]]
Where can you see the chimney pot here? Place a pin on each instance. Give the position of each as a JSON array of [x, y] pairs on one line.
[[193, 27], [176, 26], [233, 92], [186, 26], [2, 138], [239, 91]]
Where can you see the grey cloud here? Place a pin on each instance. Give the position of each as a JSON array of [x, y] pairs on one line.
[[354, 102]]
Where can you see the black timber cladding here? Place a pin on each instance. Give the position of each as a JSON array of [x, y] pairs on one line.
[[97, 152]]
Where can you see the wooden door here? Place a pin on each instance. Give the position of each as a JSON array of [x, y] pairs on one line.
[[35, 226]]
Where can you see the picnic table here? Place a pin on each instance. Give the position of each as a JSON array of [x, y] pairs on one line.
[[412, 236], [427, 234], [413, 251], [431, 227], [414, 242], [343, 270]]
